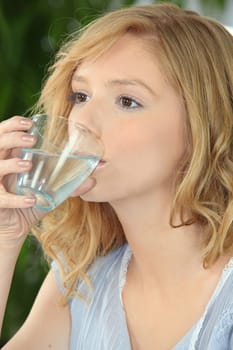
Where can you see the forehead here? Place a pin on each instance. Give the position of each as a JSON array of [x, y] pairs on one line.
[[130, 57]]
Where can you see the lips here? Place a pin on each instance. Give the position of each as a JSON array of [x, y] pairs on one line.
[[101, 163]]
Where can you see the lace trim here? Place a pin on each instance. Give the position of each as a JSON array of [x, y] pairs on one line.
[[225, 274], [123, 271], [227, 270]]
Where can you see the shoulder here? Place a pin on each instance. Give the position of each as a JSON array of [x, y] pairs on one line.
[[107, 270], [103, 268], [93, 319], [224, 310], [109, 263], [217, 328]]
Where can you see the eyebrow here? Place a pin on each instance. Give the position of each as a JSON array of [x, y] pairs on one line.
[[133, 82], [120, 82]]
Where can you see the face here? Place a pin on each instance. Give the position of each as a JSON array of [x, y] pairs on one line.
[[125, 99]]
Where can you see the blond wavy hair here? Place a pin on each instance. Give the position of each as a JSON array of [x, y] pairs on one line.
[[195, 54]]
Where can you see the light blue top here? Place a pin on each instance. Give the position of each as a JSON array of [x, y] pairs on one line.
[[100, 324]]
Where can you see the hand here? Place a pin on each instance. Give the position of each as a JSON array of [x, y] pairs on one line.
[[16, 212], [85, 187]]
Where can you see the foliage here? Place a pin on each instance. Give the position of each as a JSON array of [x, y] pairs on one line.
[[30, 34]]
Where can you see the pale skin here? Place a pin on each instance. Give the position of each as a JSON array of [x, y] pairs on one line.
[[125, 99]]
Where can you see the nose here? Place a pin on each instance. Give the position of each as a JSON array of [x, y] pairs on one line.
[[89, 116]]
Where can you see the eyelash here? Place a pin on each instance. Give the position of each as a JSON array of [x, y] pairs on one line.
[[73, 97], [131, 103], [129, 100]]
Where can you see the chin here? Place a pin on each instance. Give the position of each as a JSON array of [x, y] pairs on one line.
[[90, 196]]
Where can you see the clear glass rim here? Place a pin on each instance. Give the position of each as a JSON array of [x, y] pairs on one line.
[[67, 121], [83, 128]]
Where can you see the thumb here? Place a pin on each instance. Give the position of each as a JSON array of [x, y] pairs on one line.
[[86, 186]]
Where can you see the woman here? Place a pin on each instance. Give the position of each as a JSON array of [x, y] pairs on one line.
[[142, 252]]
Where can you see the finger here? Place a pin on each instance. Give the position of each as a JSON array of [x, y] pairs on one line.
[[8, 126], [16, 139], [16, 152], [14, 165], [86, 186], [15, 123], [10, 200]]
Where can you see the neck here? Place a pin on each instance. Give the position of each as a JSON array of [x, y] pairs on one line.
[[161, 254]]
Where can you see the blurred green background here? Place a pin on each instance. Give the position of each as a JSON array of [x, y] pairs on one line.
[[30, 34]]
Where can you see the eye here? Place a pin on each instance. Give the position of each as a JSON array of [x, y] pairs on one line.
[[78, 97], [127, 102]]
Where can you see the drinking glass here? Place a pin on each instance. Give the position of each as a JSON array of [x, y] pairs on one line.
[[65, 154]]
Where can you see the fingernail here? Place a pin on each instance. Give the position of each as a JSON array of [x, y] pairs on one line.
[[30, 200], [28, 138], [26, 122], [24, 163]]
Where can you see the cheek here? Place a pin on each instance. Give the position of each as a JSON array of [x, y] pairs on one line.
[[169, 147], [161, 139], [147, 150], [128, 147]]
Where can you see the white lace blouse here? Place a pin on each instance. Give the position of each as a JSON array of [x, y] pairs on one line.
[[100, 323]]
